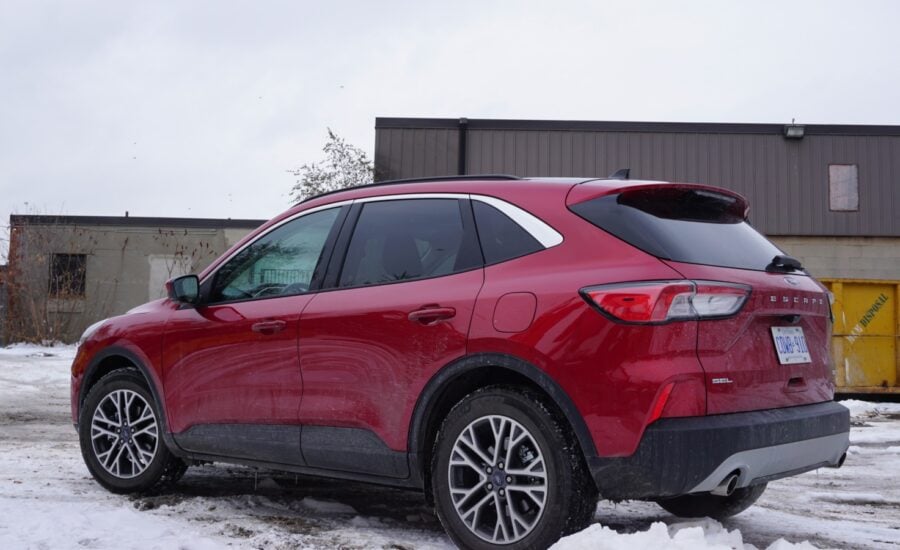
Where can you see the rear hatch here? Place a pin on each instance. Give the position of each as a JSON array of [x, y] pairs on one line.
[[773, 351]]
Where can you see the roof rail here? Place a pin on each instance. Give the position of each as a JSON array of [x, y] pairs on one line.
[[418, 180]]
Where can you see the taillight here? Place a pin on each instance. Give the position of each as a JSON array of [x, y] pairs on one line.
[[717, 299], [653, 302], [664, 301]]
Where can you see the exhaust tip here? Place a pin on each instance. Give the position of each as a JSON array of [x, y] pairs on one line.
[[840, 461], [728, 485]]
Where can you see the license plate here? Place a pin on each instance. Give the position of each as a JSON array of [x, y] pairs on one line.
[[790, 344]]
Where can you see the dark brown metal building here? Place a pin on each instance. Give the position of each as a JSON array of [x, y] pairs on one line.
[[817, 180]]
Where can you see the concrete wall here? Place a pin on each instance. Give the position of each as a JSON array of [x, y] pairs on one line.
[[846, 257], [126, 266]]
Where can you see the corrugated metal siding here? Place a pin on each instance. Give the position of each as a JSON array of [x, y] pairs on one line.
[[402, 153], [785, 180]]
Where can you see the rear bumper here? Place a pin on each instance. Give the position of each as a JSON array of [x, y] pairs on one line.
[[678, 456]]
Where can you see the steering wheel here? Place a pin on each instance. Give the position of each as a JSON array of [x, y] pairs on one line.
[[295, 288], [268, 289]]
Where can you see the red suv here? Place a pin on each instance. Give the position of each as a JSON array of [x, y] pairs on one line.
[[513, 347]]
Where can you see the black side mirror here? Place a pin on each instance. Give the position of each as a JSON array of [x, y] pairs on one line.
[[185, 289]]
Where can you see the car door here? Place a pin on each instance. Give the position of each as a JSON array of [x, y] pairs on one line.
[[399, 309], [232, 375]]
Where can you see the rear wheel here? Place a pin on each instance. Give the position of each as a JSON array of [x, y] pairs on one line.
[[506, 473], [708, 505], [121, 436]]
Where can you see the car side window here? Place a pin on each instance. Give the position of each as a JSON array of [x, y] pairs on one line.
[[398, 240], [280, 263], [501, 238]]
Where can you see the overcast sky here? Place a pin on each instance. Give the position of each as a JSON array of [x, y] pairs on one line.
[[199, 109]]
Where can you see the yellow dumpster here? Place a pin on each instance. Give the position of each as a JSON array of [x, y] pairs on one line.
[[866, 335]]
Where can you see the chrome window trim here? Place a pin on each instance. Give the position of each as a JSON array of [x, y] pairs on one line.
[[534, 226]]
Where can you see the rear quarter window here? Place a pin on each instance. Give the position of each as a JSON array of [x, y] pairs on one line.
[[501, 238], [682, 225]]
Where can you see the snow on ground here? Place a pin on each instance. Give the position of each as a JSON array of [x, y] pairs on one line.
[[48, 499]]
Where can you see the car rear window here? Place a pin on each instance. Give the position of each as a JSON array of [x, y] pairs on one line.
[[688, 225]]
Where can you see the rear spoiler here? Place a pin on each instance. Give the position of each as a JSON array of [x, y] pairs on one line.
[[631, 190]]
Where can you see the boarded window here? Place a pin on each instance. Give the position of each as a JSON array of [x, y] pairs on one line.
[[843, 187], [67, 274]]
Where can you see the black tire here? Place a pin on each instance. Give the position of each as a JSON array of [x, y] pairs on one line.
[[713, 506], [570, 497], [157, 468]]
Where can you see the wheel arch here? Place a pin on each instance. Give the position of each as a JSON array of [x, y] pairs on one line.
[[115, 358], [469, 373]]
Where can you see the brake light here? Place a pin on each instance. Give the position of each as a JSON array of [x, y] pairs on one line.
[[664, 301], [643, 302]]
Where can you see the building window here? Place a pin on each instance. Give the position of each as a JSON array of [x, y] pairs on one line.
[[67, 273], [843, 187]]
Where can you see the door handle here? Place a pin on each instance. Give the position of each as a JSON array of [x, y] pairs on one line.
[[268, 327], [431, 315]]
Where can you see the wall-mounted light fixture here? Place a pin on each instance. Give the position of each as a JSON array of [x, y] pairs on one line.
[[794, 131]]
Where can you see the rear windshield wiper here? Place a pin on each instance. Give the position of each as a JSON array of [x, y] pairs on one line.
[[784, 264]]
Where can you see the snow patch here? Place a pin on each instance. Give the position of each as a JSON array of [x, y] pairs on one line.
[[865, 435], [48, 524], [868, 410], [48, 500], [362, 521], [327, 507], [867, 450], [705, 534], [36, 350]]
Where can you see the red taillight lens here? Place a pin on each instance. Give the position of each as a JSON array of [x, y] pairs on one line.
[[643, 302], [662, 301]]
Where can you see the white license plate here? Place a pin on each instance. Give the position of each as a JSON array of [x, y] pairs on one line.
[[790, 344]]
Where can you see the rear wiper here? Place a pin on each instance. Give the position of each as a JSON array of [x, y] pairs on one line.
[[784, 264]]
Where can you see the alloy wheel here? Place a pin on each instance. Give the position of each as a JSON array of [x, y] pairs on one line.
[[124, 433], [498, 480]]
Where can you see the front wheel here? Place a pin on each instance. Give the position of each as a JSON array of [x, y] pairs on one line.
[[709, 505], [506, 473], [121, 436]]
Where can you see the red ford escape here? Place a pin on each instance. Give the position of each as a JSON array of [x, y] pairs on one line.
[[516, 348]]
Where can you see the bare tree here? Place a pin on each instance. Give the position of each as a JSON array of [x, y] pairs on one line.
[[46, 311], [344, 166], [184, 254], [63, 276]]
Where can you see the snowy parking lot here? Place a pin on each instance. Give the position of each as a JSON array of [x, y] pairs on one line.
[[48, 499]]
